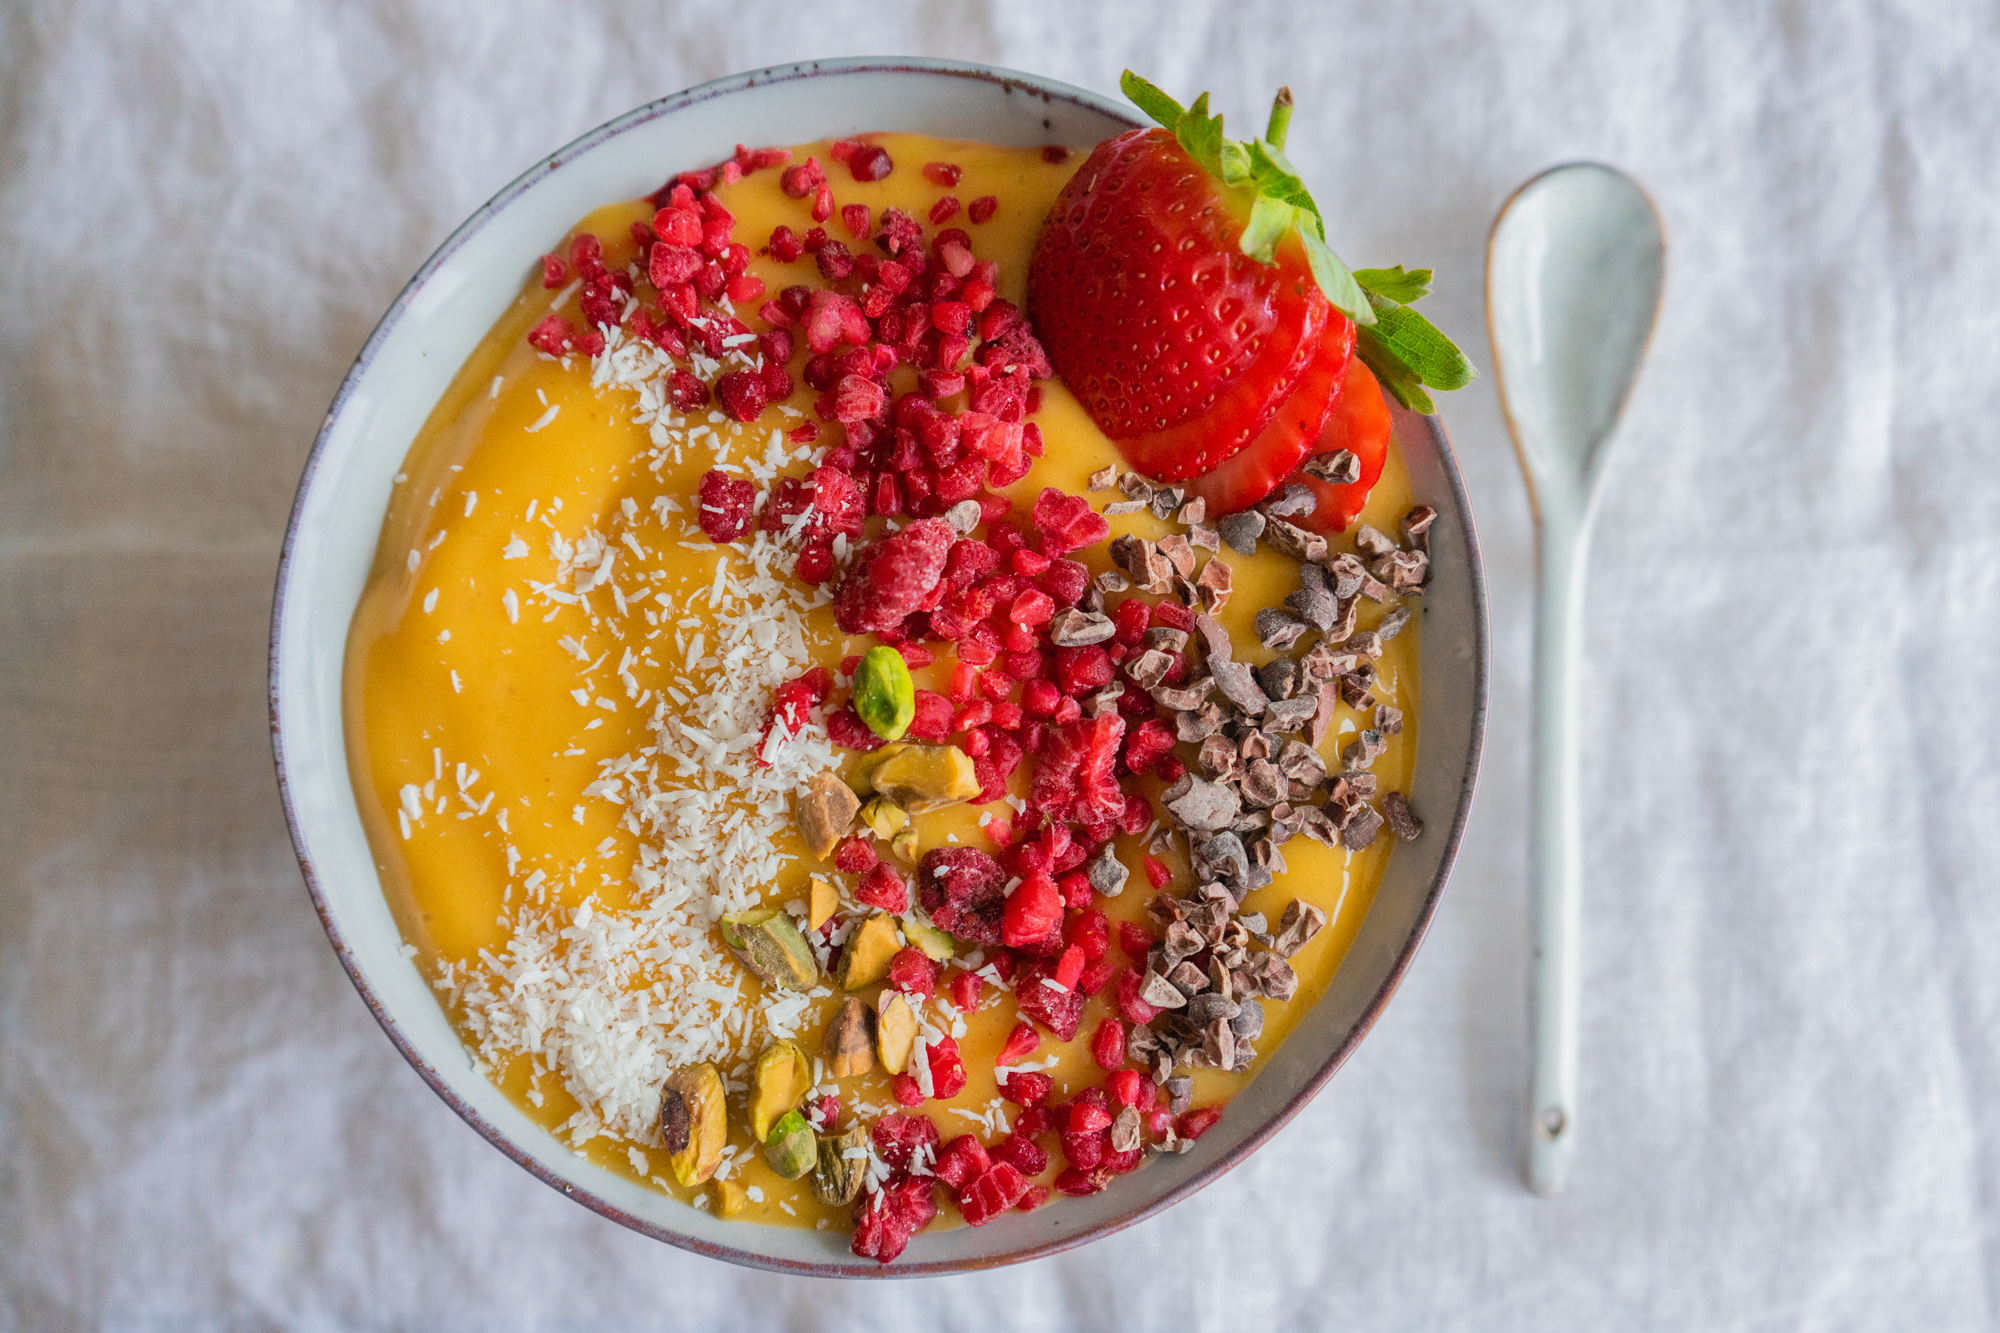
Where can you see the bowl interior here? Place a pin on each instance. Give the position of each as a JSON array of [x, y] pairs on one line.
[[427, 334]]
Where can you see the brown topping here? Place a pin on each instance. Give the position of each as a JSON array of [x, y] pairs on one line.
[[1364, 750], [1328, 697], [1273, 976], [1204, 805], [1117, 507], [1302, 763], [849, 1049], [1149, 669], [1182, 941], [1285, 715], [1111, 581], [1319, 825], [1107, 873], [1201, 536], [1187, 978], [1165, 500], [1417, 527], [1218, 758], [1161, 993], [1367, 643], [1194, 511], [1339, 468], [963, 516], [1354, 786], [1213, 586], [1279, 630], [1180, 1094], [1248, 1025], [1348, 574], [1405, 571], [1361, 830], [1104, 479], [1218, 1044], [1373, 541], [1375, 590], [1295, 541], [1125, 1130], [1135, 487], [1354, 694], [1077, 629], [1241, 530], [1391, 624], [1167, 639], [1388, 721], [1214, 638], [676, 1120], [1178, 553], [1296, 498], [1182, 699], [1403, 821], [1315, 605], [1326, 660], [1263, 785], [1280, 676], [1238, 684], [1196, 724], [1299, 924]]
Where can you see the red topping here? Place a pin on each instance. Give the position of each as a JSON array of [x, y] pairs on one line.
[[914, 971], [898, 1138], [870, 163], [982, 209], [1066, 522], [1107, 1045], [893, 577], [992, 1194], [723, 506], [1193, 1124], [962, 1161], [943, 174], [964, 891], [1021, 1044], [855, 856], [1027, 1090], [947, 1068], [1034, 910], [883, 888], [1057, 1009]]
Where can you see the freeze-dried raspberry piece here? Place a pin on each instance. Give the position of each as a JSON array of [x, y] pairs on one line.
[[912, 969], [723, 505], [846, 729], [992, 1194], [894, 577], [1041, 998], [742, 394], [686, 391], [965, 892], [1022, 1153], [882, 887], [553, 335], [1067, 522], [833, 497], [1145, 746], [961, 1162], [898, 1138], [947, 1068], [1028, 1091], [1075, 778], [884, 1221], [856, 856]]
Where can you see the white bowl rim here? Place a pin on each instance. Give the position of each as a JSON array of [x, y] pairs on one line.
[[1011, 80]]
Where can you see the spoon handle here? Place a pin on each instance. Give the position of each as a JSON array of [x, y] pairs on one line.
[[1554, 861]]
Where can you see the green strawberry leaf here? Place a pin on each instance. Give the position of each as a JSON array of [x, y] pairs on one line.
[[1150, 100], [1392, 374], [1201, 134], [1274, 176], [1333, 277], [1236, 165], [1407, 286], [1270, 219]]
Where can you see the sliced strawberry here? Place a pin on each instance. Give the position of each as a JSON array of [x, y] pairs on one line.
[[1294, 431], [1155, 318], [1359, 423]]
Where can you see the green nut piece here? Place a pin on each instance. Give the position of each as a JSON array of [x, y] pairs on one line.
[[884, 818], [936, 944], [769, 944], [694, 1123], [779, 1083], [884, 694], [836, 1176], [792, 1148]]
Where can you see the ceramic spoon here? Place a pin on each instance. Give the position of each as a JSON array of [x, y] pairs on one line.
[[1573, 274]]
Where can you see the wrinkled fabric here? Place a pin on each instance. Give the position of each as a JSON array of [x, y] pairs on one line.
[[1791, 706]]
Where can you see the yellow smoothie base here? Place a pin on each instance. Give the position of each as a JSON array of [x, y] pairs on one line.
[[439, 678]]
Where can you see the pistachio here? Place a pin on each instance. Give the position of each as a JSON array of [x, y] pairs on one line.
[[837, 1177], [884, 694], [848, 1049], [923, 778], [791, 1149], [884, 819], [780, 1082], [827, 808], [895, 1030], [769, 944], [865, 960], [904, 845], [728, 1198], [935, 944], [694, 1123], [825, 902]]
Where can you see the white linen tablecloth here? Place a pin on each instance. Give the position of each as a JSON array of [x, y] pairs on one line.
[[1791, 1081]]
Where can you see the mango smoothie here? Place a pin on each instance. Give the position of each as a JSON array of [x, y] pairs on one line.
[[583, 750]]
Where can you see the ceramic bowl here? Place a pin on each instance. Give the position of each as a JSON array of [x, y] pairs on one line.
[[401, 372]]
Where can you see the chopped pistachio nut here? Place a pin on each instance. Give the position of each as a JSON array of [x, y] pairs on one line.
[[791, 1149], [935, 944], [865, 960], [895, 1031], [837, 1177], [780, 1082], [884, 819], [769, 944], [694, 1123], [848, 1048], [884, 695], [825, 902]]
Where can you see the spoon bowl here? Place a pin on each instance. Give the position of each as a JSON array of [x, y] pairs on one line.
[[1574, 269]]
